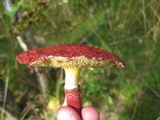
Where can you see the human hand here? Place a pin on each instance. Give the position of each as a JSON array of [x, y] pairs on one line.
[[68, 113]]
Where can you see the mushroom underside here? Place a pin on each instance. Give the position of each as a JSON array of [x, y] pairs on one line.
[[78, 62]]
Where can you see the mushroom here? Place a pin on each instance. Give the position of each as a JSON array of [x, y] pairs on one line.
[[72, 58]]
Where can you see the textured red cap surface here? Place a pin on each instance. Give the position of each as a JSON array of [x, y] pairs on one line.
[[69, 53]]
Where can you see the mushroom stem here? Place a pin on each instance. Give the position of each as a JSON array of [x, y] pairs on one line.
[[73, 99], [71, 78], [72, 89]]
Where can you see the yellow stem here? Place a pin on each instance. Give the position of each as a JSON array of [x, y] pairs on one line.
[[71, 77]]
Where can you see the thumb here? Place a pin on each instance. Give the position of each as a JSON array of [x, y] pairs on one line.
[[67, 113]]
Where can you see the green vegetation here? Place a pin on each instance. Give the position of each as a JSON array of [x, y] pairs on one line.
[[128, 28]]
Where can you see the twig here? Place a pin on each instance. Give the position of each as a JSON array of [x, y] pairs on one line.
[[5, 95]]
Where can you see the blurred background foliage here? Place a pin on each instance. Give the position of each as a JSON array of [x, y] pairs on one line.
[[128, 28]]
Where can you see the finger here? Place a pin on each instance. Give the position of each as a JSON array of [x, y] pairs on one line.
[[89, 113], [67, 113]]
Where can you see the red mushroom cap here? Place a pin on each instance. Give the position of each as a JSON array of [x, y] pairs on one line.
[[69, 56]]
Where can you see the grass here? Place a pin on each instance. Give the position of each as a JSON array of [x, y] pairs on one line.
[[128, 28]]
